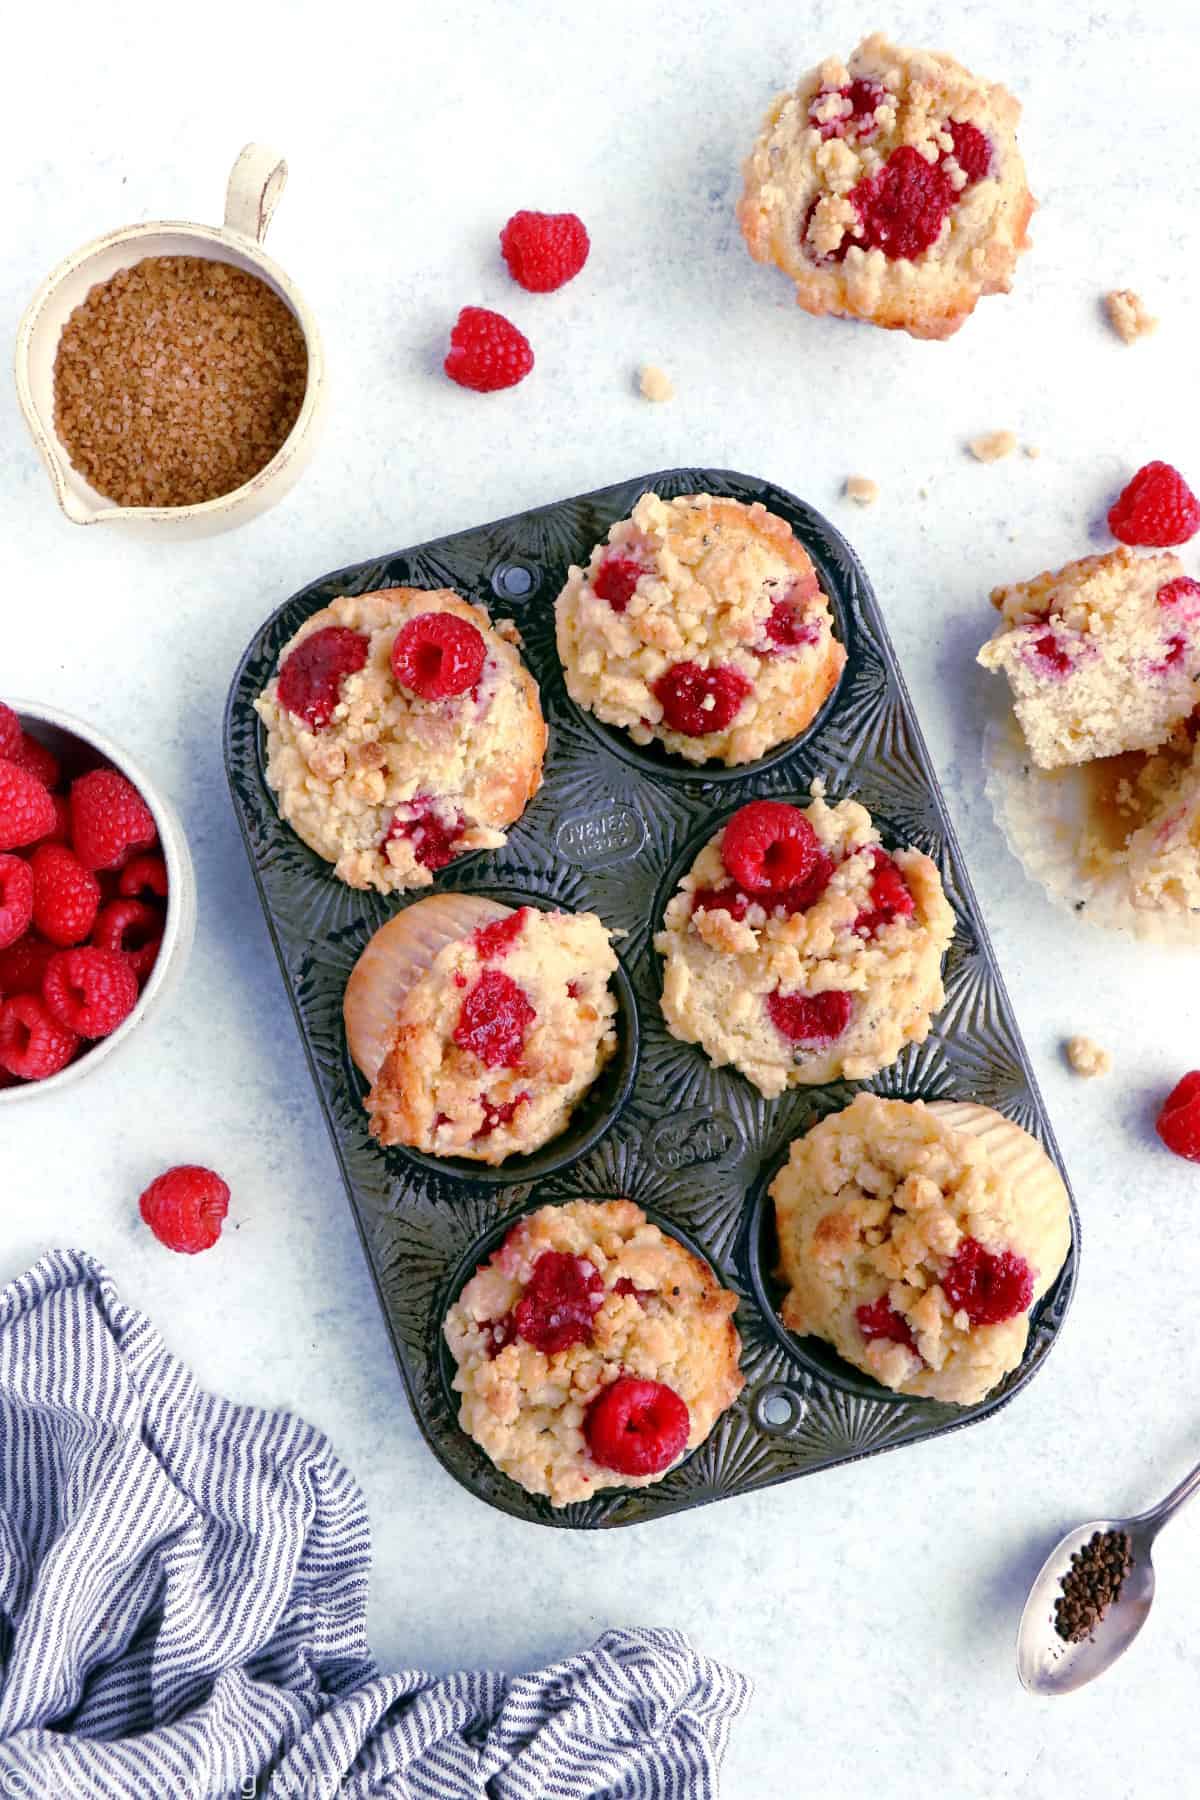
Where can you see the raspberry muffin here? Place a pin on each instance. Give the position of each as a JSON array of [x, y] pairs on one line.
[[890, 188], [699, 624], [1102, 656], [593, 1351], [915, 1239], [403, 730], [479, 1027], [799, 950]]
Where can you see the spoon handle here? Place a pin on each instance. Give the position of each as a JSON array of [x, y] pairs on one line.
[[1166, 1509]]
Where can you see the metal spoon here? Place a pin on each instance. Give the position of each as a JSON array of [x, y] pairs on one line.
[[1046, 1663]]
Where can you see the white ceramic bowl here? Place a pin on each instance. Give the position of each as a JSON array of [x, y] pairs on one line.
[[79, 746], [255, 184]]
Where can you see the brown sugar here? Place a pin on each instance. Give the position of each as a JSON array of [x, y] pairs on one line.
[[177, 380]]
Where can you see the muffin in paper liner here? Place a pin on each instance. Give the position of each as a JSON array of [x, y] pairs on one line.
[[1066, 830]]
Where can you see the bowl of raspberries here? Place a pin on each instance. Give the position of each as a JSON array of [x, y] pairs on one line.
[[97, 899]]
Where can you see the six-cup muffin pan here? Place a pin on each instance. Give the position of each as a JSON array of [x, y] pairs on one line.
[[612, 830]]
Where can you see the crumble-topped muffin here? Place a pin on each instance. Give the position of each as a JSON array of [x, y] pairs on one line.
[[593, 1351], [499, 1037], [890, 188], [915, 1239], [403, 730], [700, 623], [799, 950], [1102, 656]]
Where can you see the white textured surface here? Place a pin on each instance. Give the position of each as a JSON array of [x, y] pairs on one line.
[[875, 1606]]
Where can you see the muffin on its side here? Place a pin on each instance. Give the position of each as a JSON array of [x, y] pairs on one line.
[[891, 189], [700, 624], [593, 1351], [403, 730]]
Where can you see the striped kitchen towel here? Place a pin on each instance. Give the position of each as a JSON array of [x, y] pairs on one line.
[[183, 1588]]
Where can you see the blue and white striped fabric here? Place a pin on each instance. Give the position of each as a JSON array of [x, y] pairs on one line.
[[183, 1588]]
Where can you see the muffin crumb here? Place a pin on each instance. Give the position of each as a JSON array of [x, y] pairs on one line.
[[1033, 451], [862, 489], [1087, 1058], [1128, 316], [655, 384], [992, 445]]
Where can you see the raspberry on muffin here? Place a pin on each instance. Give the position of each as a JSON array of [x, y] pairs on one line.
[[403, 730], [592, 1351], [480, 1038], [915, 1239], [800, 951], [699, 624], [1102, 656], [891, 189]]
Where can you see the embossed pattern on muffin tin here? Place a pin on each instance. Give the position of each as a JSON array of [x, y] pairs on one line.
[[695, 1146]]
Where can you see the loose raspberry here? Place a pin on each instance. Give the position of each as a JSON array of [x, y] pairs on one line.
[[26, 809], [185, 1208], [486, 352], [66, 896], [132, 928], [1182, 594], [493, 1020], [890, 896], [616, 579], [109, 819], [903, 205], [1050, 656], [860, 122], [972, 150], [16, 900], [497, 1113], [696, 701], [544, 250], [23, 966], [144, 875], [636, 1427], [769, 847], [438, 655], [62, 821], [10, 732], [90, 991], [563, 1296], [33, 1045], [33, 756], [1156, 508], [433, 840], [310, 681], [988, 1286], [811, 1020], [881, 1320], [720, 899], [498, 938], [1178, 1123]]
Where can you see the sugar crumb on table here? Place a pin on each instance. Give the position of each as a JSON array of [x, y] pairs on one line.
[[1128, 316], [1086, 1057], [990, 446]]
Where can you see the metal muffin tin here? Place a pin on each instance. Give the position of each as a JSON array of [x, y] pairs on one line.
[[611, 831]]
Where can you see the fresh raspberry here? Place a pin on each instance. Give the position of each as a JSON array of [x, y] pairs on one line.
[[185, 1208], [144, 875], [26, 809], [1183, 594], [1178, 1123], [726, 898], [62, 821], [16, 900], [636, 1427], [10, 732], [890, 897], [23, 966], [496, 1114], [132, 928], [696, 701], [812, 1020], [90, 991], [788, 627], [769, 847], [988, 1286], [806, 893], [615, 580], [1156, 508], [33, 1044], [972, 150], [902, 206], [66, 896], [310, 681], [860, 122], [563, 1296], [109, 819], [493, 1020], [881, 1320], [433, 840], [438, 655], [1050, 656], [33, 756], [498, 938], [544, 250], [486, 352]]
